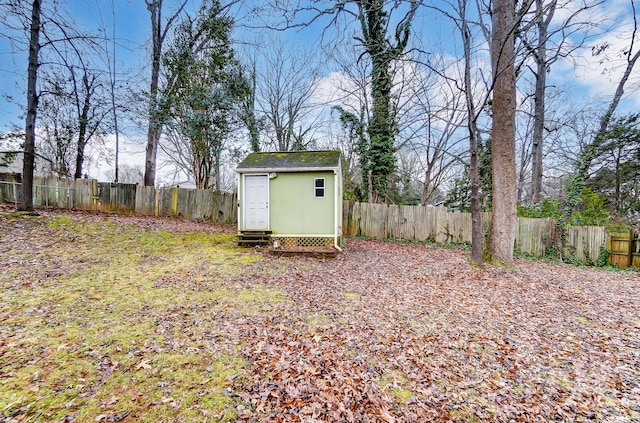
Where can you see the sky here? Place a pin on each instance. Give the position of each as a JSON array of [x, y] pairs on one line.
[[590, 79]]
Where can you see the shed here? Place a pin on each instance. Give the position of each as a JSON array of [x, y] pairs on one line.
[[293, 198]]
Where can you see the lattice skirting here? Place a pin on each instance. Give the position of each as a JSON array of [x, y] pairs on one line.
[[294, 241]]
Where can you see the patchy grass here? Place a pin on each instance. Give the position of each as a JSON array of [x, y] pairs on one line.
[[107, 318], [398, 384], [102, 321]]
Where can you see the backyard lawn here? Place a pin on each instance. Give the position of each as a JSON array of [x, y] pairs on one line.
[[108, 318]]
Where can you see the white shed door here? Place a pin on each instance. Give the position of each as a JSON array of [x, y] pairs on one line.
[[256, 202]]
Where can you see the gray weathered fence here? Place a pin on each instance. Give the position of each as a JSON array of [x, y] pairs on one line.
[[88, 194], [533, 236]]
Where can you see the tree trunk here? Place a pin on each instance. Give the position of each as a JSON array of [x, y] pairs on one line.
[[381, 133], [26, 201], [154, 130], [82, 128], [477, 236], [426, 187], [503, 211], [250, 114], [540, 56]]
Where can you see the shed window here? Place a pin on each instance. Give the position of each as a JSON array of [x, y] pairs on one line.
[[319, 187]]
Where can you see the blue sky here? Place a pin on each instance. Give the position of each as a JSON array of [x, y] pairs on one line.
[[132, 31], [587, 82]]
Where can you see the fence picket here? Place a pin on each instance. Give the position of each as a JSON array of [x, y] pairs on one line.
[[533, 236]]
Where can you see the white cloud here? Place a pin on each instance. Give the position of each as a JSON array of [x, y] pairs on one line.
[[597, 76]]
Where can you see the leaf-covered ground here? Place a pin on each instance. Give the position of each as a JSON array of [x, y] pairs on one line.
[[111, 318]]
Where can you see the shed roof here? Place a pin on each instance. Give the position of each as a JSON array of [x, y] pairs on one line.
[[291, 160]]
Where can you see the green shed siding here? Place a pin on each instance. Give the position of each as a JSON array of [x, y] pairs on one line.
[[294, 209]]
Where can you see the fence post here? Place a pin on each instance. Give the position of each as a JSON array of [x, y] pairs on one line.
[[174, 201], [15, 193], [157, 191], [635, 255]]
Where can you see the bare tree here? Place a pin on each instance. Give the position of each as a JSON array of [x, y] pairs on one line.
[[284, 90], [26, 200], [475, 101], [546, 42], [430, 114], [473, 113], [52, 36], [631, 56], [77, 82], [89, 109], [159, 30], [58, 121], [127, 174]]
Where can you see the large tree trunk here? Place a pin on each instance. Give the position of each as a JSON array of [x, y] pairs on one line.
[[154, 130], [503, 163], [26, 201], [381, 132]]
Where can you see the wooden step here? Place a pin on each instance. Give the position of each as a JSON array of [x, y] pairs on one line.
[[253, 238]]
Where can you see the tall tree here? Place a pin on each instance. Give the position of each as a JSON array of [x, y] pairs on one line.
[[159, 30], [467, 192], [384, 36], [58, 121], [26, 200], [111, 66], [547, 39], [540, 56], [81, 102], [382, 52], [574, 192], [477, 236], [285, 89], [616, 176], [89, 112], [249, 115], [204, 103], [503, 211]]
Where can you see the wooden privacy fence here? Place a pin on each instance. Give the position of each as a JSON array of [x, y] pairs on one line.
[[533, 236], [625, 248], [188, 203], [406, 222], [90, 195], [51, 191]]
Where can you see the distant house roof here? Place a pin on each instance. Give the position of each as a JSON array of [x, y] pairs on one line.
[[290, 161], [10, 162]]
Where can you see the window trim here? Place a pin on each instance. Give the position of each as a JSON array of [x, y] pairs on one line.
[[317, 189]]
